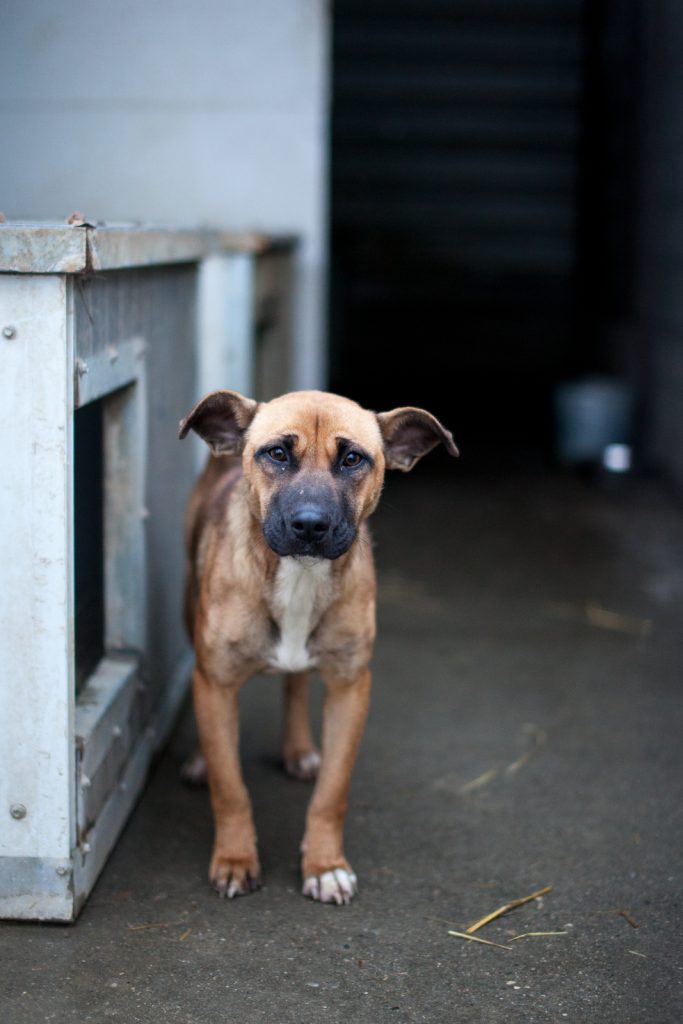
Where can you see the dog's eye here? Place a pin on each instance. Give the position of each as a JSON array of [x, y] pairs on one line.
[[277, 454], [352, 459]]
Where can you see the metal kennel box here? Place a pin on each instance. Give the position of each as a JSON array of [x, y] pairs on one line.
[[107, 336]]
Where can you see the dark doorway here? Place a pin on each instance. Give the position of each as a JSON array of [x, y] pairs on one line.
[[472, 143]]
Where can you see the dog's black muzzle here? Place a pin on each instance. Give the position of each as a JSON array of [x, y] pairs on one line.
[[310, 522]]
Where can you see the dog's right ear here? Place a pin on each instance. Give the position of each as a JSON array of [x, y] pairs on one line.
[[410, 433], [221, 420]]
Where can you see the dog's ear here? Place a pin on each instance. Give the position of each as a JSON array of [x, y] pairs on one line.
[[409, 434], [221, 420]]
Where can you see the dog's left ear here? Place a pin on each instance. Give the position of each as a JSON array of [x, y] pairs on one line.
[[221, 420], [409, 434]]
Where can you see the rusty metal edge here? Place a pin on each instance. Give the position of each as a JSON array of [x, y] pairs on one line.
[[55, 248], [43, 248]]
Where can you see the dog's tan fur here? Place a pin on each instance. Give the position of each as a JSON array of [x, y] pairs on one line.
[[241, 595]]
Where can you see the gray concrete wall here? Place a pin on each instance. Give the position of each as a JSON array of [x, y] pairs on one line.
[[662, 238], [211, 112]]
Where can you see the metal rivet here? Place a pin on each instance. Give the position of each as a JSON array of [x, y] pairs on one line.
[[61, 871], [9, 332], [18, 811]]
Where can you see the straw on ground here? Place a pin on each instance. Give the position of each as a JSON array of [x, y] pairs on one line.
[[505, 908], [475, 938]]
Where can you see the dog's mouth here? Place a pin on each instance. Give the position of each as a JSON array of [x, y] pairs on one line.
[[333, 545]]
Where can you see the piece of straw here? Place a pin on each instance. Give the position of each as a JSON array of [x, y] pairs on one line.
[[481, 780], [153, 924], [528, 935], [539, 739], [475, 938], [504, 909], [606, 619], [594, 614]]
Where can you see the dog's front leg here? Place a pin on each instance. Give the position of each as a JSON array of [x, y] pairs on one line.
[[234, 868], [327, 874]]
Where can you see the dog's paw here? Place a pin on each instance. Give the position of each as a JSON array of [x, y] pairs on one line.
[[234, 876], [336, 886], [194, 771], [303, 766]]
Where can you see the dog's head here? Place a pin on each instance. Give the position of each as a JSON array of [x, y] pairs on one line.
[[314, 462]]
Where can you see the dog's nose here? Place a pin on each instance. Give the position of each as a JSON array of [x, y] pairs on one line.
[[310, 523]]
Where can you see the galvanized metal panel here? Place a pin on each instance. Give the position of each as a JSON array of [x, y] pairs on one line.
[[273, 342], [106, 726], [115, 248], [79, 248], [37, 750], [128, 339], [107, 370], [125, 514], [58, 248], [36, 600], [36, 888], [253, 241], [171, 388], [97, 843], [225, 314], [157, 306], [42, 249]]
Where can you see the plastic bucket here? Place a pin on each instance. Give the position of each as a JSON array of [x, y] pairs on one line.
[[590, 415]]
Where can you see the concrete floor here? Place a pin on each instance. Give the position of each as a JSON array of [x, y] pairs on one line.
[[515, 741]]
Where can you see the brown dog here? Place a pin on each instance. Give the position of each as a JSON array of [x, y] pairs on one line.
[[281, 579]]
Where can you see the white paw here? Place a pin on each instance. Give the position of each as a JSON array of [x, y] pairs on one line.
[[194, 771], [303, 766], [338, 886]]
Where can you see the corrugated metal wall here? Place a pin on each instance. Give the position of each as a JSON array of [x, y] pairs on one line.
[[661, 297], [456, 130]]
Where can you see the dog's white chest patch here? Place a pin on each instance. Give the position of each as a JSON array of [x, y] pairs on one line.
[[301, 593]]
